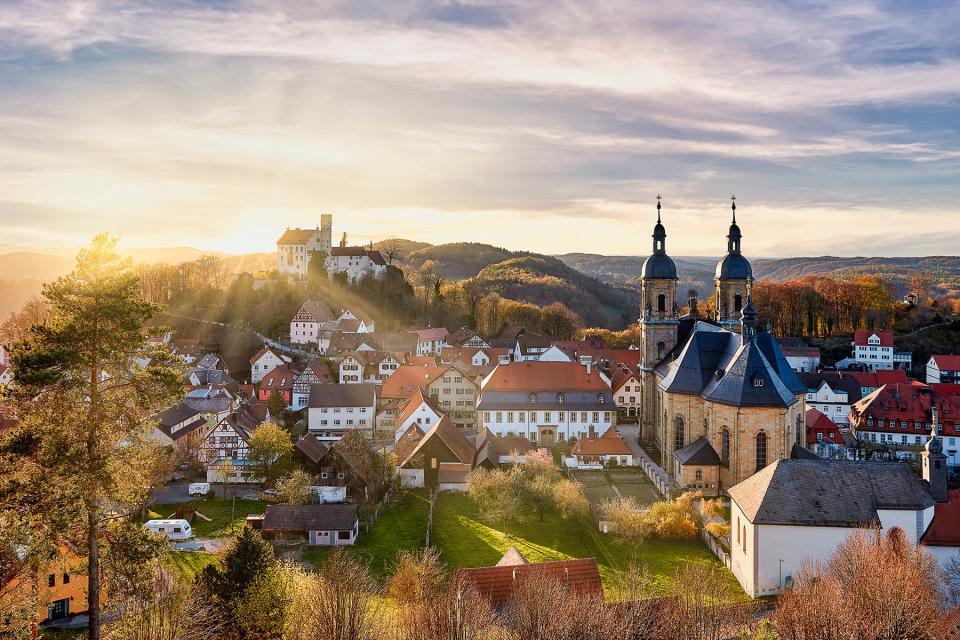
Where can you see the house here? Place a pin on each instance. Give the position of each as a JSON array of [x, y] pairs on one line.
[[454, 390], [555, 354], [545, 402], [697, 467], [368, 366], [279, 380], [355, 321], [355, 262], [349, 463], [493, 450], [396, 342], [832, 392], [422, 410], [56, 589], [465, 337], [431, 341], [801, 356], [942, 368], [307, 321], [442, 443], [225, 447], [326, 525], [296, 247], [870, 381], [208, 370], [335, 409], [875, 350], [898, 417], [530, 346], [607, 450], [824, 437], [316, 372], [625, 386], [798, 511], [496, 584], [180, 425], [263, 362]]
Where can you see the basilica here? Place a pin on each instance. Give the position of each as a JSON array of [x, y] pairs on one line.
[[718, 397]]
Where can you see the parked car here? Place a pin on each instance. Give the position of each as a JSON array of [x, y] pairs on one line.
[[269, 495]]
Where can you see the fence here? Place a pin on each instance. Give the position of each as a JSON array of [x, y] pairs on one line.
[[658, 477], [433, 502], [713, 543]]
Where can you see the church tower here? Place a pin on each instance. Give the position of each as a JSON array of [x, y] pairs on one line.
[[734, 278], [658, 318], [934, 461]]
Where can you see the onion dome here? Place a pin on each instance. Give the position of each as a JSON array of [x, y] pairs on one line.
[[659, 265], [734, 266], [749, 320]]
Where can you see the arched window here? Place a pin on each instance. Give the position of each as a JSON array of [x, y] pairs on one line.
[[738, 301], [601, 399], [678, 436], [799, 435], [661, 302], [533, 398], [698, 475], [661, 347], [761, 450], [725, 447], [559, 398]]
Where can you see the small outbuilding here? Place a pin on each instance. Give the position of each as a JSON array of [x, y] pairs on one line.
[[328, 525]]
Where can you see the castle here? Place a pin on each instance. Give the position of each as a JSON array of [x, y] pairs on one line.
[[718, 397], [296, 246]]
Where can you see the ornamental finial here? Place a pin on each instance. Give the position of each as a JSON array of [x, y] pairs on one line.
[[733, 207], [659, 197]]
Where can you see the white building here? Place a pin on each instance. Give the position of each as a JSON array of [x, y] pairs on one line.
[[263, 362], [335, 409], [943, 368], [421, 410], [875, 350], [307, 323], [430, 342], [296, 246], [626, 391], [831, 393], [368, 366], [545, 402], [798, 511], [802, 358], [224, 449], [356, 262]]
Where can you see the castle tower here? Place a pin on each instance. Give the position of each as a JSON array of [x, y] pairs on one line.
[[734, 278], [658, 319], [326, 232], [934, 461]]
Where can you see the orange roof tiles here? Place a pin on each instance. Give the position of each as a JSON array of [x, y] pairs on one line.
[[545, 376]]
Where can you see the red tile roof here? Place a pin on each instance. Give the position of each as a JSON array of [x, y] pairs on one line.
[[431, 334], [908, 403], [944, 531], [877, 379], [544, 376], [407, 379], [610, 444], [947, 363], [283, 378], [817, 422], [621, 375], [861, 337], [261, 353], [581, 576], [420, 397]]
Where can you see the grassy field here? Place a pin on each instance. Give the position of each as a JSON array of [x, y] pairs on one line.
[[218, 510], [464, 540], [188, 564], [596, 486], [633, 482], [402, 525]]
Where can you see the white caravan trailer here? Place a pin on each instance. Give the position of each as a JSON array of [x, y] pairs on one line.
[[176, 529]]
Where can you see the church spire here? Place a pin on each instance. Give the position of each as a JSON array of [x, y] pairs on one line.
[[749, 320], [659, 233]]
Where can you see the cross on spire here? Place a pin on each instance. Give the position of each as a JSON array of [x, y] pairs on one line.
[[733, 207], [659, 197]]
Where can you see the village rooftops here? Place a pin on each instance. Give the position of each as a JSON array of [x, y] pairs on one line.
[[862, 338], [829, 493], [610, 444], [407, 379], [431, 334], [545, 376], [342, 395], [449, 436]]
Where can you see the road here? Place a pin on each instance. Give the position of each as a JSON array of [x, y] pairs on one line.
[[630, 433], [176, 493]]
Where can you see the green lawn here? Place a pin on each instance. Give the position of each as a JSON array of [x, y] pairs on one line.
[[400, 526], [218, 510], [187, 564], [632, 481], [465, 541]]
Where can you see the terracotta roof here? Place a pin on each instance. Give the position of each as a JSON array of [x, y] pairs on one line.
[[283, 378], [261, 353], [407, 379], [314, 311], [801, 352], [610, 444], [544, 376], [451, 437], [861, 337], [421, 361], [348, 326], [581, 576], [947, 363], [817, 422], [877, 379], [512, 558], [296, 236], [434, 333], [944, 531], [310, 517], [452, 472], [621, 375], [377, 258], [407, 443], [909, 403], [419, 398]]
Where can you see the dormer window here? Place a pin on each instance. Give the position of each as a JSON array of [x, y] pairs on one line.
[[601, 399], [559, 398], [533, 398], [757, 381]]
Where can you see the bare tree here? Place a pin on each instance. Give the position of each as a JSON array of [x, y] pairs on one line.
[[339, 602]]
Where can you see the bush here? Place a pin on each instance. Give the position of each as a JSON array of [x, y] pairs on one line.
[[211, 494]]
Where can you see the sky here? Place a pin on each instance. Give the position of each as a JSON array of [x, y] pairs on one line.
[[548, 126]]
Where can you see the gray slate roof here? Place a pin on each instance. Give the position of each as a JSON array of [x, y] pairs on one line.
[[829, 493], [342, 395], [699, 453], [715, 365], [310, 517]]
